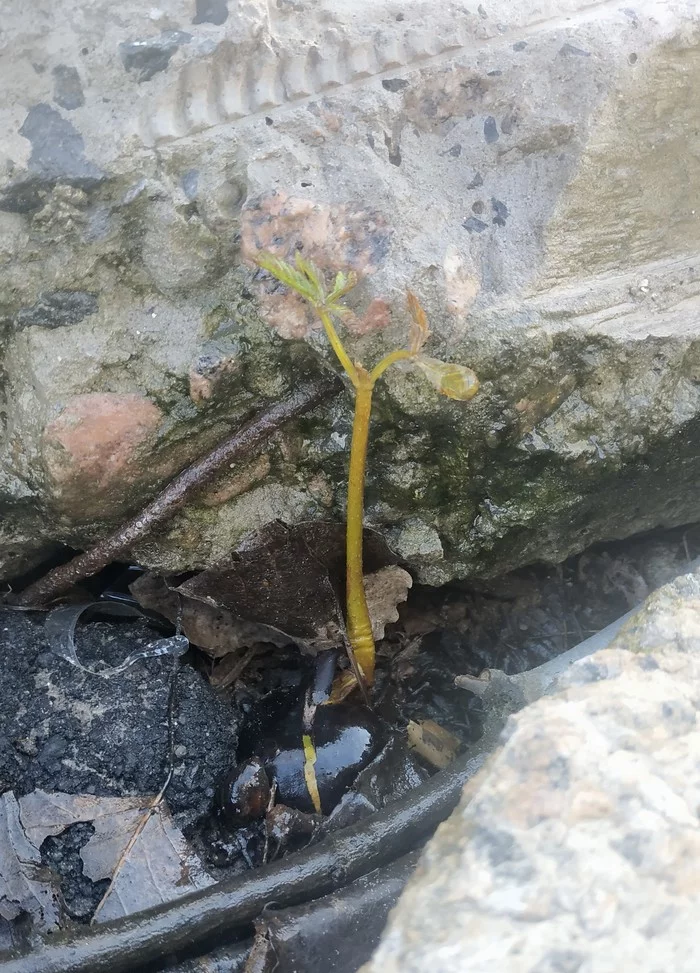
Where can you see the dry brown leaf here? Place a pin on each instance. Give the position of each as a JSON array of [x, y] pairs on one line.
[[159, 868], [215, 630], [385, 589], [433, 742], [420, 332], [48, 813], [277, 580], [25, 886], [281, 585]]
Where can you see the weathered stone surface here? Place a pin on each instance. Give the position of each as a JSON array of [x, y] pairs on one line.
[[68, 90], [528, 169], [575, 849], [57, 308], [149, 56], [96, 448]]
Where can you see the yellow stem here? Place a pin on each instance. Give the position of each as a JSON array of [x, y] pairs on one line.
[[310, 758], [337, 346], [388, 360], [358, 620]]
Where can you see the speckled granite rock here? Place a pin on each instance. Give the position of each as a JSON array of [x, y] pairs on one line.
[[576, 848], [528, 167]]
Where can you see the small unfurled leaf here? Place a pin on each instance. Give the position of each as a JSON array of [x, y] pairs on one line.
[[307, 280], [343, 284], [454, 381], [420, 332], [297, 278], [312, 274]]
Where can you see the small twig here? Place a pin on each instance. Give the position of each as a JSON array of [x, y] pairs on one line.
[[178, 492], [235, 668], [686, 549], [157, 800], [270, 804]]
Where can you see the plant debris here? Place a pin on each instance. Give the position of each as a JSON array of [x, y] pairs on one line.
[[215, 630], [385, 590], [142, 942], [281, 585], [25, 886], [436, 745], [441, 634], [160, 865]]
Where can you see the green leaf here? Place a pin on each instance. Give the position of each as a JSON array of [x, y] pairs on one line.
[[307, 280], [342, 285], [454, 381], [296, 280], [313, 276]]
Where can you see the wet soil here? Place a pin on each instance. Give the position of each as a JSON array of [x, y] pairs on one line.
[[66, 730]]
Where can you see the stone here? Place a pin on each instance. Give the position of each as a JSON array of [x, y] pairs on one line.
[[57, 308], [149, 56], [575, 847], [419, 545], [528, 169], [68, 90], [57, 153], [97, 445], [211, 12]]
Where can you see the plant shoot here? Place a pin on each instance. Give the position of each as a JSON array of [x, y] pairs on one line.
[[454, 381]]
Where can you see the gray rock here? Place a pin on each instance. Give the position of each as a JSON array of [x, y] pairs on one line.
[[210, 12], [57, 154], [528, 170], [57, 308], [575, 848], [68, 90], [151, 55]]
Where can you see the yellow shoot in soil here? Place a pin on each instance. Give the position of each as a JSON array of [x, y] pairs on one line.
[[454, 381], [310, 772]]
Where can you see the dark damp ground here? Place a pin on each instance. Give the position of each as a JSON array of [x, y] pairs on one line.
[[63, 730]]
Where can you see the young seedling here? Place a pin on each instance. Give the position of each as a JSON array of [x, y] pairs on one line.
[[454, 381]]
